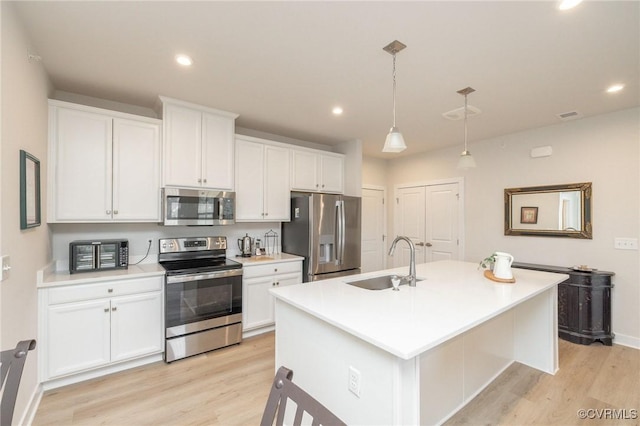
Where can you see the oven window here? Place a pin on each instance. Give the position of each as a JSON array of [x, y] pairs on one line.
[[181, 207], [203, 299]]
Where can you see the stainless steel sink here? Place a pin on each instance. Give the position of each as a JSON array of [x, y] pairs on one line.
[[376, 283]]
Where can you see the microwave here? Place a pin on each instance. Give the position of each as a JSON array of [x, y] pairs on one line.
[[88, 255], [196, 207]]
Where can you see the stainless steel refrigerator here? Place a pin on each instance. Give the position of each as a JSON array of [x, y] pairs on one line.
[[325, 229]]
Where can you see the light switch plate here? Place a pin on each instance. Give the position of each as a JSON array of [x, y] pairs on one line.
[[6, 267], [625, 243]]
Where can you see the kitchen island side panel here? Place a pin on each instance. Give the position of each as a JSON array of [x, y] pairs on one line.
[[536, 332], [320, 356]]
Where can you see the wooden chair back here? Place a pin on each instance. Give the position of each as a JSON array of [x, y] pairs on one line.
[[10, 373], [282, 390]]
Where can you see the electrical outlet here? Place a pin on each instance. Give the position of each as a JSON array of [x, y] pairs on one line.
[[625, 243], [354, 381]]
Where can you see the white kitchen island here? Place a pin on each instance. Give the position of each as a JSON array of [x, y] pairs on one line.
[[421, 353]]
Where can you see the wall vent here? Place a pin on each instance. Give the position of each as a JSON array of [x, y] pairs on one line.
[[571, 115], [458, 113]]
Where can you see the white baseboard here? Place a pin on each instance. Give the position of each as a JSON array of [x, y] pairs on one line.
[[30, 412], [624, 340]]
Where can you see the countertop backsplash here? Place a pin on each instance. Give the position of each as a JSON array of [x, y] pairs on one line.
[[139, 235]]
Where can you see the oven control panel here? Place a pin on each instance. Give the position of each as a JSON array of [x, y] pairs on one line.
[[177, 245]]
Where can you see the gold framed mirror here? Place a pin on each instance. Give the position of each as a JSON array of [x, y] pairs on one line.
[[549, 211]]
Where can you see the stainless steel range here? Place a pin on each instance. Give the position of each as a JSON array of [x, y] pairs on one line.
[[203, 296]]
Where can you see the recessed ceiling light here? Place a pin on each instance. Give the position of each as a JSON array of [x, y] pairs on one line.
[[184, 60], [337, 110], [568, 4], [615, 88]]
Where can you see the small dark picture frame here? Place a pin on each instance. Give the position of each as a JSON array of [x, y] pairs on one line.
[[529, 215], [29, 191]]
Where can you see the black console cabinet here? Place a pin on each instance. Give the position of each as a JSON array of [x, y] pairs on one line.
[[584, 304]]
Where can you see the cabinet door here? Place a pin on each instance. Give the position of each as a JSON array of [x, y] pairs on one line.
[[277, 199], [80, 161], [283, 280], [182, 146], [249, 181], [78, 337], [332, 174], [136, 326], [136, 171], [257, 310], [217, 151], [304, 172]]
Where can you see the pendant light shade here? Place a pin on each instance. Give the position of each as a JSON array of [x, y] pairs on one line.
[[394, 141], [466, 160]]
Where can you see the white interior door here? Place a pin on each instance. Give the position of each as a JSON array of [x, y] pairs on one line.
[[429, 216], [410, 221], [442, 227], [373, 217]]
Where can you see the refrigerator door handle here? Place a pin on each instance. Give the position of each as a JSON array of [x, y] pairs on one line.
[[340, 224]]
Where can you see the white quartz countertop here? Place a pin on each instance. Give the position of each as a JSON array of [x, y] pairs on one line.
[[265, 259], [453, 297], [60, 278], [49, 278]]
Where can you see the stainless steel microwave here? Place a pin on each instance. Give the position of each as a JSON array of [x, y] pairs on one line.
[[195, 207], [90, 255]]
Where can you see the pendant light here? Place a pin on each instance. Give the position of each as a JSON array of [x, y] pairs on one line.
[[466, 161], [394, 141]]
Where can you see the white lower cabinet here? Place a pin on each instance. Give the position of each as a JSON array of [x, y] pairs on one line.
[[92, 325], [257, 280]]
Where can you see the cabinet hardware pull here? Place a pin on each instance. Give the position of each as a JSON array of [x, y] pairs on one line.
[[199, 180], [108, 211], [106, 309], [110, 290], [115, 212], [115, 308], [429, 245], [275, 269], [205, 181]]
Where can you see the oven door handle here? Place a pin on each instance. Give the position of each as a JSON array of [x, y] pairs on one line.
[[173, 279]]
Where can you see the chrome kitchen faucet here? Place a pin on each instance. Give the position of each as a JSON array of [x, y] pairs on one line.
[[411, 278]]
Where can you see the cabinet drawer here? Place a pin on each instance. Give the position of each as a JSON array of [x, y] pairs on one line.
[[271, 269], [79, 292]]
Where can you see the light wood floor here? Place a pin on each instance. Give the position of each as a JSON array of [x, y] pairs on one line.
[[230, 386]]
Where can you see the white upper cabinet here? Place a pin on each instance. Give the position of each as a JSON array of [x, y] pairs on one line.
[[262, 181], [320, 171], [104, 166], [198, 145]]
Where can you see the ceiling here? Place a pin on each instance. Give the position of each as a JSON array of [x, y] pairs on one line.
[[284, 65]]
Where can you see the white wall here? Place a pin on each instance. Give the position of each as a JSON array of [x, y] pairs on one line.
[[374, 171], [602, 149], [25, 88], [139, 235]]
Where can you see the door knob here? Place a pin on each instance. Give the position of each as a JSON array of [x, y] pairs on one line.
[[429, 245]]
